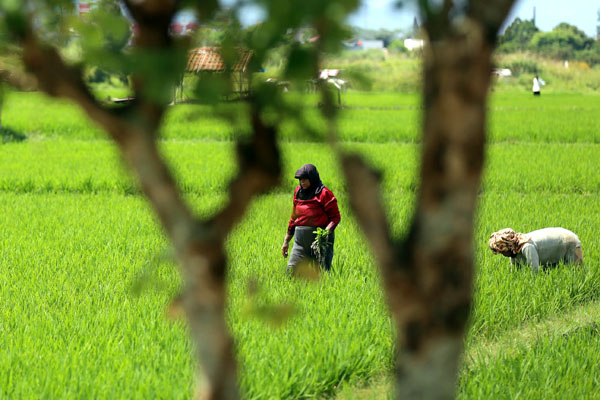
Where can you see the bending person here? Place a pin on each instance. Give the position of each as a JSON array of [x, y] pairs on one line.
[[545, 247], [314, 206]]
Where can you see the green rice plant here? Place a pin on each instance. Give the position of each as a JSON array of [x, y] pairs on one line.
[[34, 115], [506, 297], [85, 281], [70, 320], [320, 245], [367, 118], [557, 365]]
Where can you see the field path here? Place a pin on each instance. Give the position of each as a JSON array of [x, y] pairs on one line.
[[529, 333], [485, 351]]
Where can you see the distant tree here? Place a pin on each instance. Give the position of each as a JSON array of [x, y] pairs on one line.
[[214, 31], [517, 35], [415, 28], [598, 27], [207, 36], [563, 42], [387, 36], [397, 46]]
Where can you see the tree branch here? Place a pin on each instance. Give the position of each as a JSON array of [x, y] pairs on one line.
[[58, 80], [153, 18], [428, 274], [260, 169], [199, 245], [366, 204], [491, 14], [17, 80]]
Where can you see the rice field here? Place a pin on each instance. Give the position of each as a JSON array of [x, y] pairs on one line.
[[87, 274]]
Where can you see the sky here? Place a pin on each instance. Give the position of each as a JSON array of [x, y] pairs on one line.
[[377, 14]]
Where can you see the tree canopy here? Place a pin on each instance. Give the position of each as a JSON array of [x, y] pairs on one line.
[[517, 35], [564, 42]]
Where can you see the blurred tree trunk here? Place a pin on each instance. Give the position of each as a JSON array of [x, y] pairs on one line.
[[198, 244], [153, 65], [428, 275]]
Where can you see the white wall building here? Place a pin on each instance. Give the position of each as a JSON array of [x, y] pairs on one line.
[[414, 44]]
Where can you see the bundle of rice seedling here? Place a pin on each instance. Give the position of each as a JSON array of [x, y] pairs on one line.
[[320, 245]]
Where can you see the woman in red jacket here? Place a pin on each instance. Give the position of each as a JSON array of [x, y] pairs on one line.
[[314, 206]]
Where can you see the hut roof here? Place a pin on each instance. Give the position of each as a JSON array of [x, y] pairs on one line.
[[209, 59]]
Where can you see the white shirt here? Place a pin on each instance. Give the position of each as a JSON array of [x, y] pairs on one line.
[[548, 246]]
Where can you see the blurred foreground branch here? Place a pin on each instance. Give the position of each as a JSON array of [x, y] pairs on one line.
[[428, 275], [199, 244]]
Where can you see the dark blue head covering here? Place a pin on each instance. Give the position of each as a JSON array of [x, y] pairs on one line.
[[309, 171]]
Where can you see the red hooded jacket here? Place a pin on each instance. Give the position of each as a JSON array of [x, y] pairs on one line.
[[318, 211]]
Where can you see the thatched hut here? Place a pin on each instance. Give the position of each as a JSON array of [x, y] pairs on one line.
[[209, 60]]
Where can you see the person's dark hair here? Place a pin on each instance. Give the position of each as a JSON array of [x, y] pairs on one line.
[[309, 171]]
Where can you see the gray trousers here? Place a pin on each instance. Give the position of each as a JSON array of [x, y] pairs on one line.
[[303, 238]]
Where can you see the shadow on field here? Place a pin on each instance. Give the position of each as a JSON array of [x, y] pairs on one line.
[[10, 135]]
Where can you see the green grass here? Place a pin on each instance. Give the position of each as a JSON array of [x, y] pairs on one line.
[[86, 271], [367, 118], [72, 325], [554, 367]]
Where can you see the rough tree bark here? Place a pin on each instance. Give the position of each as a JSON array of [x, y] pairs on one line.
[[428, 275], [199, 244]]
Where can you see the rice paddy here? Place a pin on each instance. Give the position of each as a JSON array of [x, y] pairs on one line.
[[87, 274]]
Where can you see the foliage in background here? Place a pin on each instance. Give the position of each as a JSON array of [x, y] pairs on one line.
[[523, 66], [576, 76], [385, 35], [564, 42], [598, 26], [517, 36]]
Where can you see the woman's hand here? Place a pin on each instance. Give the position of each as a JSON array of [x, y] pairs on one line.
[[329, 228], [284, 249], [286, 245]]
